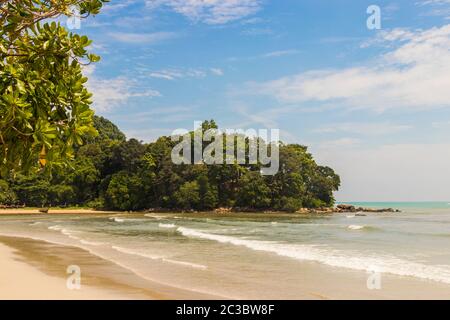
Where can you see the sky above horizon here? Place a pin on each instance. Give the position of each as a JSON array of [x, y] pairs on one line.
[[372, 104]]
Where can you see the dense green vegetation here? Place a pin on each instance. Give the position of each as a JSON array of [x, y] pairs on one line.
[[44, 104], [51, 154], [111, 172]]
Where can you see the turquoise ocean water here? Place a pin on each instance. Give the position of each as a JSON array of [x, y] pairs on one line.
[[402, 205]]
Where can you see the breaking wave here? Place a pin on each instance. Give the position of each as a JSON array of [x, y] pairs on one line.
[[331, 257]]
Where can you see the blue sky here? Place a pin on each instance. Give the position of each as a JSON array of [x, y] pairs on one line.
[[373, 104]]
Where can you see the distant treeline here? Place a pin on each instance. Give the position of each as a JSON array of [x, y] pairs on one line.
[[111, 172]]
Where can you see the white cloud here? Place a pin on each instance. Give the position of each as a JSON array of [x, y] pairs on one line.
[[109, 94], [387, 37], [257, 32], [217, 71], [414, 75], [397, 172], [174, 74], [210, 11], [280, 53], [181, 73], [438, 7], [160, 114], [441, 124], [339, 143], [369, 129], [133, 21], [147, 135], [435, 2], [267, 55], [144, 38], [167, 74], [109, 6], [254, 20]]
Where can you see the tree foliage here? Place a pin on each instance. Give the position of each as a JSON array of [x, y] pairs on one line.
[[44, 104], [113, 173]]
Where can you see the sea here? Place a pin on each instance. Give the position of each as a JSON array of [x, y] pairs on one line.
[[244, 255]]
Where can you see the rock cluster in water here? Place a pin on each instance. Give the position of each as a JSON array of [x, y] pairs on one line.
[[341, 208], [346, 208], [352, 208]]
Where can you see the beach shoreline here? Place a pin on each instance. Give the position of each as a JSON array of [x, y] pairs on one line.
[[29, 265], [37, 270], [220, 211], [19, 280], [35, 211]]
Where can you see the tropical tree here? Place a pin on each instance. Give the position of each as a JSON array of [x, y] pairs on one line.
[[188, 196], [124, 192], [253, 191], [7, 196], [111, 172], [44, 103]]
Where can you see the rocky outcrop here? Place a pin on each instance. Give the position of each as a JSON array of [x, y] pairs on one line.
[[353, 209], [341, 208], [223, 210], [316, 211], [346, 208]]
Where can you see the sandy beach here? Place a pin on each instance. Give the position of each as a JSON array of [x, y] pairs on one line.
[[34, 211], [19, 280], [36, 270], [201, 256]]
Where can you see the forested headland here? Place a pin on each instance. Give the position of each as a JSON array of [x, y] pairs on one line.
[[51, 154], [111, 172]]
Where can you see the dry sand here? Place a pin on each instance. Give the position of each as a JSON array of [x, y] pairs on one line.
[[31, 269], [25, 211], [19, 280]]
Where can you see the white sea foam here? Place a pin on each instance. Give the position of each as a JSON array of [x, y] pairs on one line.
[[161, 258], [356, 227], [67, 232], [167, 226], [187, 264], [55, 228], [120, 220], [332, 257], [119, 263], [136, 253], [92, 243], [154, 216]]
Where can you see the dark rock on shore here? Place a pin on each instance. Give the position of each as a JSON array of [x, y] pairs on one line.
[[360, 215], [353, 209], [346, 208], [341, 208]]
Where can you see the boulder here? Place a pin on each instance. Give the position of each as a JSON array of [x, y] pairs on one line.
[[346, 208], [223, 210]]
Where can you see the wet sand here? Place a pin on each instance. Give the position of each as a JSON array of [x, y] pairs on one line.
[[31, 269], [35, 270]]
